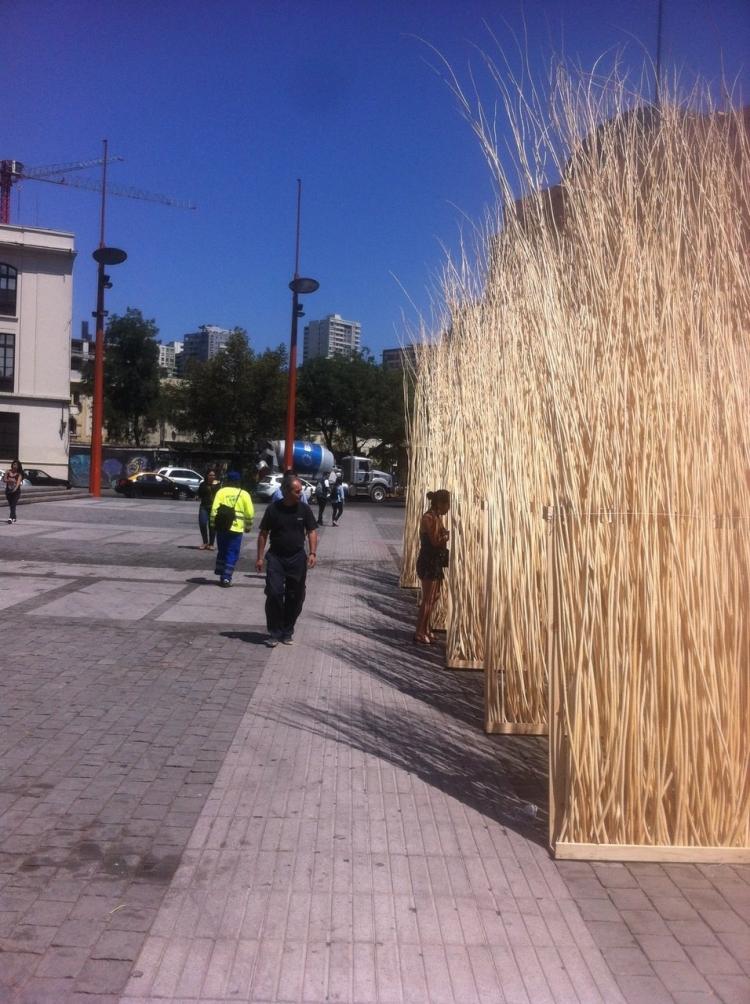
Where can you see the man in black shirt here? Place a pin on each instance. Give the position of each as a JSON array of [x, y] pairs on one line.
[[288, 522]]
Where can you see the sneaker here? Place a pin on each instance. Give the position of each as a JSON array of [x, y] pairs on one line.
[[272, 641], [11, 520], [287, 640], [334, 524], [225, 582]]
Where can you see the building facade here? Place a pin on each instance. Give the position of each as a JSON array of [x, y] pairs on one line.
[[203, 344], [399, 359], [332, 336], [169, 357], [36, 312]]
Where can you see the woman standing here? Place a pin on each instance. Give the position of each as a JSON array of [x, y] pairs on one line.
[[207, 489], [13, 480], [337, 504], [431, 560]]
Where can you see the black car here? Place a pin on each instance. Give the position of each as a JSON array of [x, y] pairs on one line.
[[41, 479], [150, 485]]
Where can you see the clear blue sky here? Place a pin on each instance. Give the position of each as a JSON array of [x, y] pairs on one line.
[[227, 103]]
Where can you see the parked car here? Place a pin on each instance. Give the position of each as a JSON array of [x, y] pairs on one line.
[[268, 485], [182, 475], [41, 479], [149, 484]]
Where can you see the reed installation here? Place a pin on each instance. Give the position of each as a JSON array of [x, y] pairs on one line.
[[609, 371]]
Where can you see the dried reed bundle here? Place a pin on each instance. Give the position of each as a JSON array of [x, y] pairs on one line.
[[604, 369]]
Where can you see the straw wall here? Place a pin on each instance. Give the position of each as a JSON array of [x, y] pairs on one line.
[[649, 687], [603, 375]]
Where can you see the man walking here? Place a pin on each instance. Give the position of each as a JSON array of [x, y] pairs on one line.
[[288, 523], [231, 515]]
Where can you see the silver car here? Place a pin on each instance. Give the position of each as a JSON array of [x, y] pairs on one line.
[[183, 476], [268, 486]]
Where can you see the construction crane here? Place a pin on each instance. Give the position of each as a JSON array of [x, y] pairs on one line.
[[13, 171]]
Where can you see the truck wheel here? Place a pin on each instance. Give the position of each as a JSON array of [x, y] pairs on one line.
[[378, 493]]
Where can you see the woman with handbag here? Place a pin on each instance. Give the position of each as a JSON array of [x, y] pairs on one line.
[[431, 560], [207, 490], [13, 479]]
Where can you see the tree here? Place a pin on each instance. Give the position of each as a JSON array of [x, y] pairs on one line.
[[131, 376], [235, 398], [353, 398]]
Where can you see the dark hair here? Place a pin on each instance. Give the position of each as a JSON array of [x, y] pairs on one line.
[[441, 495], [20, 465], [287, 481]]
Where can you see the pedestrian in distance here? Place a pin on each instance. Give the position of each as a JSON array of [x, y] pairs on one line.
[[288, 523], [337, 503], [232, 515], [432, 560], [13, 479], [322, 495], [207, 490]]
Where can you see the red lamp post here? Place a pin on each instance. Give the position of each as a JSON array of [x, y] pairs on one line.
[[298, 285], [102, 256]]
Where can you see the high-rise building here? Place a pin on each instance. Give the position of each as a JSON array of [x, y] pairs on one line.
[[204, 343], [169, 353], [331, 336]]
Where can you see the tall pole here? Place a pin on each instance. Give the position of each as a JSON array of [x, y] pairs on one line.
[[97, 413], [659, 21], [291, 398]]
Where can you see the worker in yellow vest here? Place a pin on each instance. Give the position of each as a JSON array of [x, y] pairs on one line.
[[232, 515]]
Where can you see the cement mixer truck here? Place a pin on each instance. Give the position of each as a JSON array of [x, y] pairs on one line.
[[313, 461], [310, 460]]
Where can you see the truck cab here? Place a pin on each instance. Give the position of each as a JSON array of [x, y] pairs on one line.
[[364, 481]]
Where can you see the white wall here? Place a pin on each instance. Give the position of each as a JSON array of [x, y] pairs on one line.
[[42, 326]]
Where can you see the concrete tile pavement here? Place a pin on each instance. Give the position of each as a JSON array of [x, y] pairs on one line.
[[321, 822]]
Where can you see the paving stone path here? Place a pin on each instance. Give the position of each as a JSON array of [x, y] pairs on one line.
[[186, 815]]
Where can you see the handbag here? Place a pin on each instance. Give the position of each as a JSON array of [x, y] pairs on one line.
[[443, 557], [226, 515]]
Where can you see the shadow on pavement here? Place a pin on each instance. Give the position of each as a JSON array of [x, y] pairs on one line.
[[250, 637], [503, 778]]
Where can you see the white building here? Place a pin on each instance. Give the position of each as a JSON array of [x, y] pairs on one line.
[[331, 336], [168, 353], [204, 343], [36, 312]]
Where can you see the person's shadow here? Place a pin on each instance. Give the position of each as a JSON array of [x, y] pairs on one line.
[[250, 637]]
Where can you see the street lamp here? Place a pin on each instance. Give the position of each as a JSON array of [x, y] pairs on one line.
[[298, 286], [102, 256]]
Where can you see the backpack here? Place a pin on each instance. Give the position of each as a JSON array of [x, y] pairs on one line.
[[226, 515]]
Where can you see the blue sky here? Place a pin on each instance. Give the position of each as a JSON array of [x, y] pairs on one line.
[[226, 104]]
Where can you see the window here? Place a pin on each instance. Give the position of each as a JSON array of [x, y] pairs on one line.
[[7, 361], [8, 282], [8, 434]]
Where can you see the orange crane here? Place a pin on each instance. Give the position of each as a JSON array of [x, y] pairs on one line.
[[13, 171]]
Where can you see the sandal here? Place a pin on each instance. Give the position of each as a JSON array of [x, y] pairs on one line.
[[422, 639]]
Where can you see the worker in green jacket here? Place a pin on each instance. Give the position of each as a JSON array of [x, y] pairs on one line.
[[232, 515]]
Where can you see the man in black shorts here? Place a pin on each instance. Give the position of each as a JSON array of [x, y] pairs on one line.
[[288, 522]]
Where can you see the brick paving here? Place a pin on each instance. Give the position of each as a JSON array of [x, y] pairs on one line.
[[186, 815]]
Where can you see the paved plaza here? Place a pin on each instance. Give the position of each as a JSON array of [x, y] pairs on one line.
[[187, 815]]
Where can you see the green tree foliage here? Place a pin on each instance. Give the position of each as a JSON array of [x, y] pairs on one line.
[[351, 398], [131, 377], [236, 398]]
